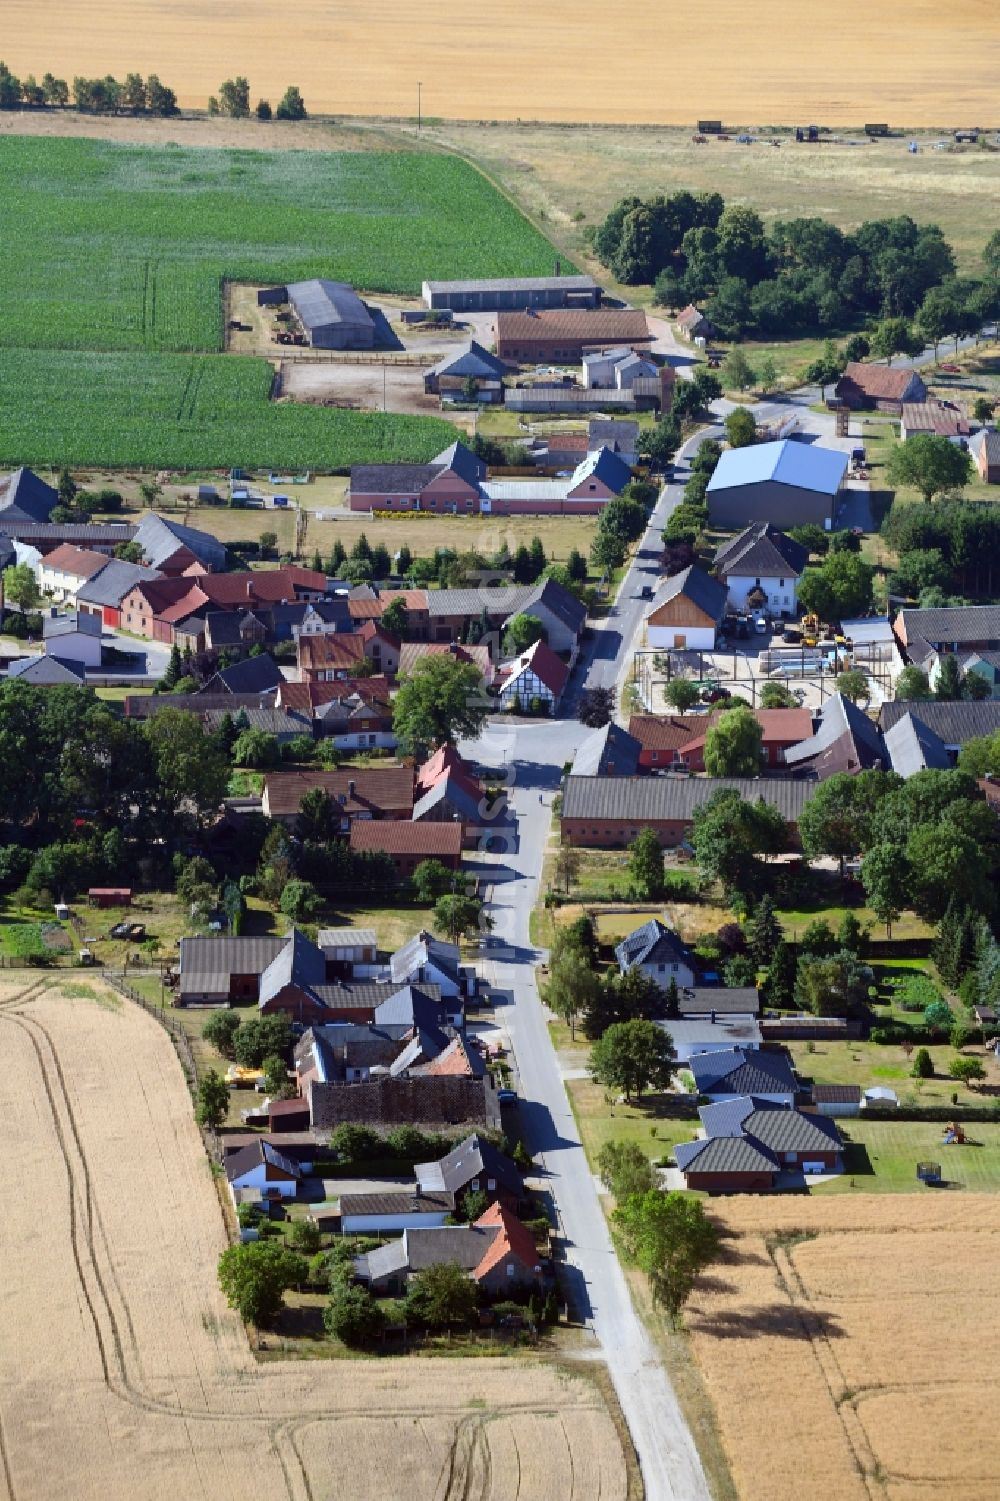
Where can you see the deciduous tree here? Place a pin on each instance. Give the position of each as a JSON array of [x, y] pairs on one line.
[[213, 1100], [439, 702], [670, 1238], [645, 863], [930, 464], [733, 745], [255, 1278], [632, 1056]]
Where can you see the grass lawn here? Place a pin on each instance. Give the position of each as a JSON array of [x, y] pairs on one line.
[[883, 1156], [599, 1122], [119, 695], [870, 1063], [796, 921]]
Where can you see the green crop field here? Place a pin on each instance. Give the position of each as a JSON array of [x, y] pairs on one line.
[[185, 412], [119, 247], [114, 258]]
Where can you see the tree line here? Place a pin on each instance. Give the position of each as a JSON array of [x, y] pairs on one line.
[[794, 276], [94, 96], [233, 99]]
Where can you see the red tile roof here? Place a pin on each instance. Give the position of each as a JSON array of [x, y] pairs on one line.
[[401, 838], [664, 731], [543, 662], [304, 697], [779, 727], [881, 382], [513, 1239], [340, 652], [387, 789], [79, 561], [585, 325]]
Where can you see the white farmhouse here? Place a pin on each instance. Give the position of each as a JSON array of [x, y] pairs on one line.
[[761, 569]]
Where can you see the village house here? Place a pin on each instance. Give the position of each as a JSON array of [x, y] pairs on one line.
[[761, 569], [951, 628], [954, 724], [661, 736], [536, 678], [737, 1072], [73, 638], [362, 792], [330, 659], [687, 612], [750, 1146], [355, 713], [984, 447], [496, 1251], [425, 960], [658, 953], [103, 592], [386, 1213], [615, 369], [64, 571], [473, 1166], [710, 1034], [261, 1171], [785, 483], [609, 812], [879, 387], [25, 498]]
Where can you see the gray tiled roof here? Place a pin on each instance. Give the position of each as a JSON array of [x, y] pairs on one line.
[[423, 948], [396, 1203], [557, 599], [723, 1154], [298, 962], [25, 497], [840, 718], [160, 538], [723, 1000], [639, 800], [606, 747], [761, 551], [726, 1118], [86, 533], [653, 942], [388, 479], [474, 1157], [271, 721], [704, 592], [410, 1006], [116, 578], [836, 1094], [731, 1071], [251, 675], [459, 459], [914, 747], [499, 602], [958, 623], [988, 438], [791, 1131], [473, 360], [695, 1031], [954, 723], [47, 670]]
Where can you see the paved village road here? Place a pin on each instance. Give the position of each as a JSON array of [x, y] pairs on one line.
[[534, 755]]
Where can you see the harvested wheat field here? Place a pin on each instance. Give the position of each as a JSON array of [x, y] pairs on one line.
[[843, 1344], [912, 61], [124, 1375]]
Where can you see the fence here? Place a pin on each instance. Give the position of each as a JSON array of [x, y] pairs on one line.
[[182, 1047]]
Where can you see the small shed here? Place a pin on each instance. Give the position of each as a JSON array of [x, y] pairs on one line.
[[880, 1097], [110, 896], [837, 1100]]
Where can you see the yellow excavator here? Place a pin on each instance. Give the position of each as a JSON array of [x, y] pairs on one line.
[[810, 628]]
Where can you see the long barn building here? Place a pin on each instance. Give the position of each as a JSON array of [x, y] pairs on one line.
[[512, 292]]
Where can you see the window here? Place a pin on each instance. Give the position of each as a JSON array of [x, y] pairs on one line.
[[475, 1185], [510, 1271], [781, 583], [491, 1184]]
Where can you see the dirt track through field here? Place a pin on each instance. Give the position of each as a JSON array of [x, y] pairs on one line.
[[122, 1373], [909, 61]]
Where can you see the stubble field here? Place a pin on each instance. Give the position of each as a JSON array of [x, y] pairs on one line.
[[845, 1344], [911, 60], [123, 1373]]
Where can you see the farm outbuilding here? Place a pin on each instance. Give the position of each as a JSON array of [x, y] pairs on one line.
[[331, 313], [512, 292], [785, 483], [110, 896]]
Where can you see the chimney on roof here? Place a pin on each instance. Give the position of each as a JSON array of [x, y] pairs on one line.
[[249, 588], [351, 786]]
